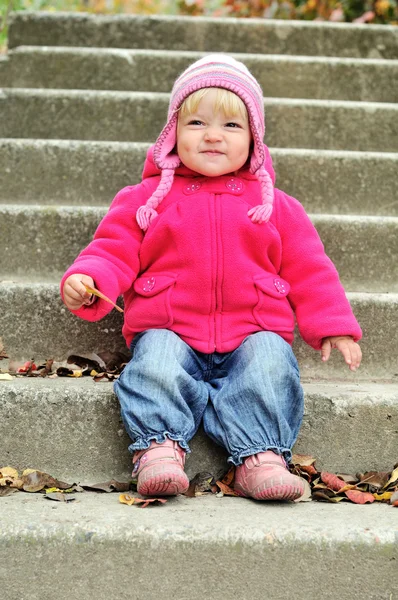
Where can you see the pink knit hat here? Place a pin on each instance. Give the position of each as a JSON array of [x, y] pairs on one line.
[[220, 71]]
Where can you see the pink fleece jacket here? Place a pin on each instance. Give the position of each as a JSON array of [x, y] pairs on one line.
[[204, 270]]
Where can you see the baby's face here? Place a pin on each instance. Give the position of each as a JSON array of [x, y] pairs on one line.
[[211, 143]]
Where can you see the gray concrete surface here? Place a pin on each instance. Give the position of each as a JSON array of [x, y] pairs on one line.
[[72, 429], [74, 172], [33, 322], [97, 547], [156, 70], [139, 116], [358, 246], [260, 36]]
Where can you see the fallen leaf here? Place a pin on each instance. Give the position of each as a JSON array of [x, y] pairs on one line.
[[28, 367], [332, 481], [84, 362], [114, 360], [306, 495], [6, 377], [303, 460], [102, 296], [109, 486], [229, 477], [351, 479], [35, 481], [323, 496], [6, 491], [46, 369], [393, 478], [374, 478], [59, 497], [226, 489], [130, 500], [105, 377], [384, 497], [359, 497], [8, 472], [202, 483]]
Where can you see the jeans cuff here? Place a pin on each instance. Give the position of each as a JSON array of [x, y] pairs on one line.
[[237, 458], [144, 442]]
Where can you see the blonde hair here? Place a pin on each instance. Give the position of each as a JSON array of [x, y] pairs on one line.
[[227, 102]]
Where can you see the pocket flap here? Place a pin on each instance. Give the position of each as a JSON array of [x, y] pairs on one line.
[[150, 285], [272, 284]]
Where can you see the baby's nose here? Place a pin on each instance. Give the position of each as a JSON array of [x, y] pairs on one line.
[[212, 134]]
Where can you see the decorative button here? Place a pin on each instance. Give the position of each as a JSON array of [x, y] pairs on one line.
[[149, 284], [280, 287], [191, 188], [234, 185]]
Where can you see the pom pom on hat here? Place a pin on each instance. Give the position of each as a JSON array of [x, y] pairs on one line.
[[219, 71]]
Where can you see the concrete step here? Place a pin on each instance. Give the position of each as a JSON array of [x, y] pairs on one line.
[[140, 116], [34, 322], [90, 173], [342, 548], [156, 70], [32, 237], [343, 428], [205, 34]]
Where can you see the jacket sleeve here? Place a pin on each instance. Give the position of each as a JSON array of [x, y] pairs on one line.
[[316, 293], [112, 258]]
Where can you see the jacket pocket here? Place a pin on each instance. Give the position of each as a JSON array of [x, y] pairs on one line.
[[150, 306], [273, 311]]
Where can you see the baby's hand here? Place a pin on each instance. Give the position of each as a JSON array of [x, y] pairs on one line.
[[348, 348], [75, 294]]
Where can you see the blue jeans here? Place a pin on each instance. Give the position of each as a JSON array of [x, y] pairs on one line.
[[250, 399]]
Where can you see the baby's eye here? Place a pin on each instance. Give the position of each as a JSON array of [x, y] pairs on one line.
[[195, 122], [233, 125]]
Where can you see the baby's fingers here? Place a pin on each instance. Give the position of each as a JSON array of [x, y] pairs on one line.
[[325, 350], [351, 353]]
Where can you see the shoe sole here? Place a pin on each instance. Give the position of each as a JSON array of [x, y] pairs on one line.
[[167, 482], [276, 492]]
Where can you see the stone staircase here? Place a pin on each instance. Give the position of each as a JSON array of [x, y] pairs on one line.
[[81, 99]]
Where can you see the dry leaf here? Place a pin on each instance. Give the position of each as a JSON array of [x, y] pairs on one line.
[[6, 491], [144, 502], [306, 496], [108, 486], [332, 481], [302, 460], [350, 479], [374, 478], [8, 472], [35, 481], [6, 377], [225, 489], [324, 496], [384, 497], [393, 478], [59, 497], [102, 296], [46, 369], [229, 477], [202, 483], [359, 497]]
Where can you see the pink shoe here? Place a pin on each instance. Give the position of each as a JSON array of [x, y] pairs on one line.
[[264, 476], [160, 469]]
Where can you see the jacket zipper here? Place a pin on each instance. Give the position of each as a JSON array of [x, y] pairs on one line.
[[218, 264]]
